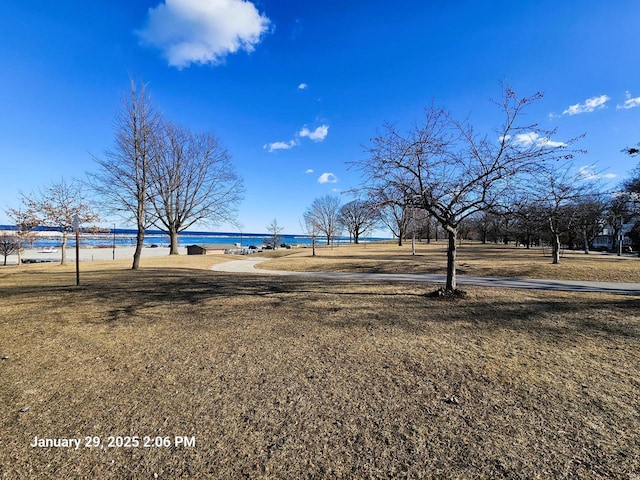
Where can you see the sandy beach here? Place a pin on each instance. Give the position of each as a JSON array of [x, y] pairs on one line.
[[90, 254]]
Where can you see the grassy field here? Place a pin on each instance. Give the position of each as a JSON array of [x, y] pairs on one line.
[[284, 377], [473, 259]]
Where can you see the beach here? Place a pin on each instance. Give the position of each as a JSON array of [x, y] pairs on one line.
[[89, 254]]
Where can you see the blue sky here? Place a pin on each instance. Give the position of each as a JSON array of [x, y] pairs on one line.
[[295, 88]]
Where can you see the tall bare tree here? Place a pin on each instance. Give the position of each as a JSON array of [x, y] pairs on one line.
[[58, 205], [558, 191], [453, 171], [121, 183], [191, 179], [324, 214], [357, 217]]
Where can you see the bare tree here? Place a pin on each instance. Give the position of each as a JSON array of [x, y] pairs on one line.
[[58, 205], [26, 221], [631, 186], [191, 180], [392, 204], [558, 190], [323, 215], [453, 171], [9, 244], [396, 217], [310, 228], [590, 219], [529, 221], [274, 229], [122, 181], [357, 217], [631, 195], [618, 210]]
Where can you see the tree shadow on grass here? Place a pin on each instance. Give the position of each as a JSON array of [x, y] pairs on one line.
[[123, 293]]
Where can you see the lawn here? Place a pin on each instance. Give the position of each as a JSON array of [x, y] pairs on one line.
[[285, 377], [472, 258]]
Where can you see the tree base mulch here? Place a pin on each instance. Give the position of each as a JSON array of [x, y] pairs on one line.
[[444, 294]]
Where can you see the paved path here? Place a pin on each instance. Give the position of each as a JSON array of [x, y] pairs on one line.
[[248, 266]]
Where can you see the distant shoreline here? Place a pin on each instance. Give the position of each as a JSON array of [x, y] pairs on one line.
[[154, 238], [89, 254]]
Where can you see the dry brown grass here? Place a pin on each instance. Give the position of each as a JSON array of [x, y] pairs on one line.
[[473, 259], [281, 377]]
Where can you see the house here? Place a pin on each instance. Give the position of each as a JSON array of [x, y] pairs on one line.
[[607, 240], [214, 249]]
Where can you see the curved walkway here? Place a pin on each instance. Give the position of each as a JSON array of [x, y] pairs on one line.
[[248, 266]]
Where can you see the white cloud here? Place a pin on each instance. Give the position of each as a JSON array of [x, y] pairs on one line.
[[328, 178], [202, 32], [588, 172], [272, 147], [317, 135], [309, 171], [589, 105], [629, 103], [533, 138], [303, 86]]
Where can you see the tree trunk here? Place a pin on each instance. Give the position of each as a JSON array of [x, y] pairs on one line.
[[138, 251], [63, 248], [451, 261], [556, 248], [586, 240], [399, 240], [173, 240]]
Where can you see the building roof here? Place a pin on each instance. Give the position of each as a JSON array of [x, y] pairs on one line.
[[215, 246]]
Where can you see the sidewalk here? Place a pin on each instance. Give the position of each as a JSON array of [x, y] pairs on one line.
[[248, 266]]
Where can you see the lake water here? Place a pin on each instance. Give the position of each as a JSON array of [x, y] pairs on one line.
[[128, 238]]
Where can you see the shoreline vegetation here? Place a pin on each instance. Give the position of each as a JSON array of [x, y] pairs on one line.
[[296, 377]]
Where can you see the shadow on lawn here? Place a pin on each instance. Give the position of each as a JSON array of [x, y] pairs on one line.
[[125, 293]]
